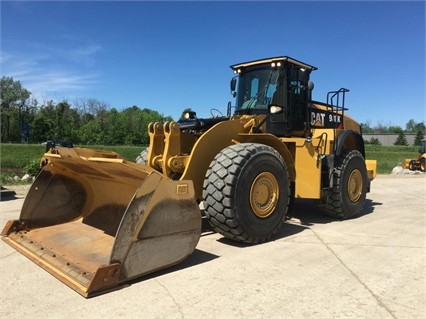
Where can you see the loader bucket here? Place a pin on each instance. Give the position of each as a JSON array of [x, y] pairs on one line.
[[94, 220]]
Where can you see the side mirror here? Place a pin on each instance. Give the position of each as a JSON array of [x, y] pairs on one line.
[[233, 84], [310, 88]]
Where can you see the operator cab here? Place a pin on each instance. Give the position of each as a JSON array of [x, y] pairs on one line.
[[281, 82]]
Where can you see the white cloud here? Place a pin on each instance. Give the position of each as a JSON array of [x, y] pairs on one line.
[[51, 72], [87, 50], [84, 55]]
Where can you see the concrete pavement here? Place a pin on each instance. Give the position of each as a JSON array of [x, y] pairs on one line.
[[369, 267]]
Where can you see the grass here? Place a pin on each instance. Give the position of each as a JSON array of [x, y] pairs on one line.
[[388, 157], [15, 158]]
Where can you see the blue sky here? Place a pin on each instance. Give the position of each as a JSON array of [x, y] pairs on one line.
[[168, 56]]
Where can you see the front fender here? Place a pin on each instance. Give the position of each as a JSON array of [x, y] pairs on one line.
[[206, 148], [273, 141]]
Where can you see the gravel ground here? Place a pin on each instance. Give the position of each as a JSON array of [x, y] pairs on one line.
[[372, 266]]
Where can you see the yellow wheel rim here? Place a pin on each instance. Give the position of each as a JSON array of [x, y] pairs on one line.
[[264, 194], [355, 185]]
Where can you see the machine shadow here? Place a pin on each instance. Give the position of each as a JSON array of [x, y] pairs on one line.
[[196, 258], [7, 194], [306, 214]]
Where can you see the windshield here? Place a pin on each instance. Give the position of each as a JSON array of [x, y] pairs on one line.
[[255, 90]]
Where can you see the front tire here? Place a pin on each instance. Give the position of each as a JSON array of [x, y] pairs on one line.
[[350, 184], [143, 157], [247, 192]]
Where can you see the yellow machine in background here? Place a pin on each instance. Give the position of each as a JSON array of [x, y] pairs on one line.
[[418, 164], [95, 220]]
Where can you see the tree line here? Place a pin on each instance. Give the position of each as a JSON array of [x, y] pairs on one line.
[[91, 122], [86, 121], [412, 127]]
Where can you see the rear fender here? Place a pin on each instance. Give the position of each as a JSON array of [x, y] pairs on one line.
[[350, 140]]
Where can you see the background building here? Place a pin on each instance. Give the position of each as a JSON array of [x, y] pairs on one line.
[[389, 139]]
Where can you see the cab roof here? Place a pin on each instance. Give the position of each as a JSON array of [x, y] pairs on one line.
[[274, 59]]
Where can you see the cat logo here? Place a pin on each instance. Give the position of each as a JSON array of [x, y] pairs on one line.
[[317, 119], [325, 119]]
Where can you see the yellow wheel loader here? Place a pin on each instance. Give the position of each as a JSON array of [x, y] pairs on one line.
[[418, 164], [96, 220]]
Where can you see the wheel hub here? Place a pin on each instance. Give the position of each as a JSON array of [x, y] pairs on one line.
[[264, 194], [355, 185]]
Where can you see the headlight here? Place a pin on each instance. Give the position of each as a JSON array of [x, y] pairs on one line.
[[190, 115], [274, 109]]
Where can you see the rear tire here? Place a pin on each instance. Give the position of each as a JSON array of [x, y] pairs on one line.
[[349, 186], [247, 192], [423, 164], [143, 157]]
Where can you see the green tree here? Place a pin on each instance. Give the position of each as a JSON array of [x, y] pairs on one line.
[[56, 122], [12, 103], [401, 139], [375, 141], [366, 127], [421, 127], [61, 115], [410, 127], [89, 108], [89, 121], [112, 127], [43, 125], [394, 129], [93, 121], [115, 129], [68, 122], [101, 121], [91, 133], [136, 125], [419, 137]]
